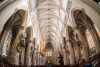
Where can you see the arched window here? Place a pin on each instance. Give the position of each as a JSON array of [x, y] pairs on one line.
[[7, 44], [48, 53], [88, 31], [90, 42]]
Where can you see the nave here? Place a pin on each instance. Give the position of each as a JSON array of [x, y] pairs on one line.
[[49, 33]]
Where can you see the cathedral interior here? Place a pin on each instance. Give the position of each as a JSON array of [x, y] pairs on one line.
[[49, 33]]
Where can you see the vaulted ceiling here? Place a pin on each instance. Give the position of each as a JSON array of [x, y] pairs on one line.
[[49, 13]]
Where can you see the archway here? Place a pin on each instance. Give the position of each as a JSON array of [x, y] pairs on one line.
[[84, 25], [10, 32], [90, 42], [49, 53]]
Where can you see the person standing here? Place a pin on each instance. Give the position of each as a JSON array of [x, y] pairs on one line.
[[61, 62]]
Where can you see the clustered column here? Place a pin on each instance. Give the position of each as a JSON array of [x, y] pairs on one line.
[[85, 48], [66, 57], [28, 53], [14, 49], [70, 47]]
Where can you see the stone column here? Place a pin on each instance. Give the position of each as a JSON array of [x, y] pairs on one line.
[[32, 58], [14, 51], [35, 59], [76, 47], [72, 56], [30, 47], [85, 47], [28, 53], [23, 53], [66, 57], [77, 53]]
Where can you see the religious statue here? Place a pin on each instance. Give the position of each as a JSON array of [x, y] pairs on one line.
[[23, 38], [21, 44]]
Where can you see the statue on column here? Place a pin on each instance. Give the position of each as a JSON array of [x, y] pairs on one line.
[[21, 46], [23, 38]]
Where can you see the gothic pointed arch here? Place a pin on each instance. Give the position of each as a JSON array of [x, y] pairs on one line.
[[84, 27], [11, 29]]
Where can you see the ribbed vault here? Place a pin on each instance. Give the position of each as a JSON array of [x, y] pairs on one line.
[[49, 20]]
